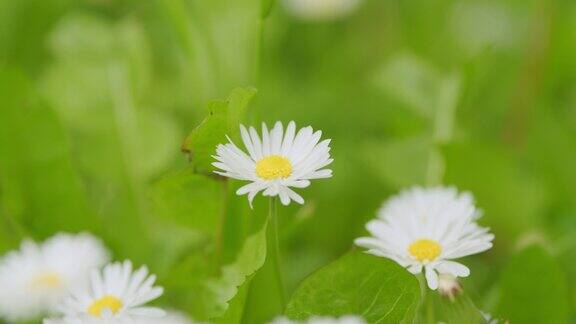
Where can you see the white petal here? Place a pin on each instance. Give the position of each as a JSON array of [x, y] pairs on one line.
[[288, 138], [454, 268], [431, 277], [265, 140]]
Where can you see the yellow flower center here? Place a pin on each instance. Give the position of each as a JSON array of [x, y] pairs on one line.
[[274, 167], [425, 250], [107, 302], [48, 280]]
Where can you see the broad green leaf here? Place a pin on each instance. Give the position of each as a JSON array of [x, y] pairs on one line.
[[533, 289], [460, 310], [235, 311], [378, 289], [219, 292], [39, 186], [189, 199], [223, 119]]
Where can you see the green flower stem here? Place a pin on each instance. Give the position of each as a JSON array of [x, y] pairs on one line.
[[274, 248], [430, 316], [426, 313]]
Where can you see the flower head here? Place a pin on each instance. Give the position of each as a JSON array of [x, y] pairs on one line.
[[424, 229], [36, 277], [276, 162], [116, 295]]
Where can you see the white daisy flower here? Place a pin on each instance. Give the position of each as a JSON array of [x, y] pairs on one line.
[[172, 317], [276, 162], [116, 295], [424, 229], [319, 10], [35, 278], [346, 319]]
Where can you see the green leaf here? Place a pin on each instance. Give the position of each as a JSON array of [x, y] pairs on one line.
[[39, 186], [533, 289], [188, 199], [236, 308], [459, 310], [223, 119], [220, 292], [376, 288]]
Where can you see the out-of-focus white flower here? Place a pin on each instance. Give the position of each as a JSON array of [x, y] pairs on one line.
[[346, 319], [35, 278], [424, 229], [171, 317], [448, 286], [276, 162], [116, 296], [320, 10]]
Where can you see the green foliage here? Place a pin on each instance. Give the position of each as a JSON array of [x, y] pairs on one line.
[[494, 169], [376, 288], [400, 162], [460, 310], [41, 192], [235, 277], [220, 41], [189, 199], [533, 289], [223, 119], [96, 98]]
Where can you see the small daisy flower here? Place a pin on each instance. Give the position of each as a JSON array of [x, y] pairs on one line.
[[116, 295], [424, 229], [172, 317], [276, 162], [321, 10], [35, 278], [346, 319]]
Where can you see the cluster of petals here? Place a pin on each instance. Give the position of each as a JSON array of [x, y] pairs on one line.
[[35, 277], [117, 294], [276, 162], [425, 229]]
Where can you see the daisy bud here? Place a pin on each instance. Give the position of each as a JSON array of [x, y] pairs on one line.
[[448, 286]]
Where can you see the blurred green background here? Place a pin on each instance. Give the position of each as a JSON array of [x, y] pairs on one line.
[[97, 97]]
